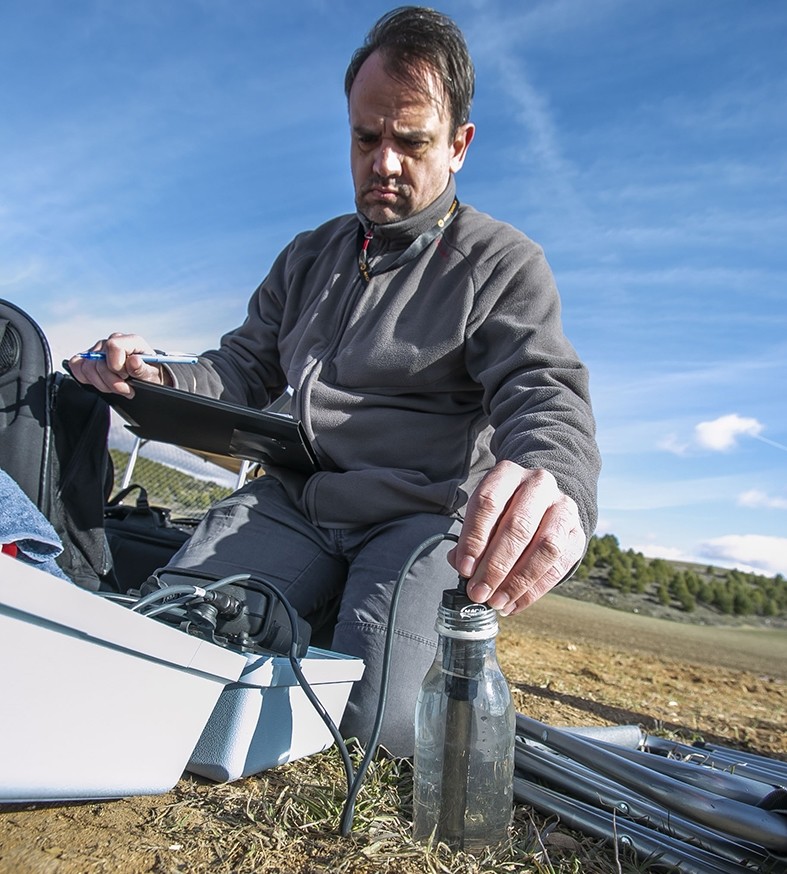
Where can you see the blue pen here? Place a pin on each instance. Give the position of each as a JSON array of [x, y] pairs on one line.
[[148, 359]]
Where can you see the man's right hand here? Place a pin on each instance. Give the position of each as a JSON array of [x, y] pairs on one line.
[[122, 359]]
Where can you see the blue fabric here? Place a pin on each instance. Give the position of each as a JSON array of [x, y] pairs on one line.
[[23, 524]]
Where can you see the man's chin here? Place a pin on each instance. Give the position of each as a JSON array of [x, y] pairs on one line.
[[383, 213]]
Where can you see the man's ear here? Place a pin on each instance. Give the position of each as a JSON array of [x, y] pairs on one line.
[[460, 144]]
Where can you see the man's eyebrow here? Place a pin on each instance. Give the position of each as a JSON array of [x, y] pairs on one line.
[[413, 134], [404, 133]]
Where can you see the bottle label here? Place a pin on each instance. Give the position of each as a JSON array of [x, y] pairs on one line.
[[473, 611]]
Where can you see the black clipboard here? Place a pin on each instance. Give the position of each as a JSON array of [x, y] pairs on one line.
[[202, 424]]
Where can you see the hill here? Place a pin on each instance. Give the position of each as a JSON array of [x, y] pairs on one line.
[[680, 591]]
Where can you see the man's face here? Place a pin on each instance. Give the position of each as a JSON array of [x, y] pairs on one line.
[[403, 149]]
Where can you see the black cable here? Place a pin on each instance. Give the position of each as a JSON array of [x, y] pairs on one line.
[[296, 668], [349, 806], [354, 779], [188, 592]]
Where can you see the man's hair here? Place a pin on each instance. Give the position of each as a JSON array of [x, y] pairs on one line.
[[414, 39]]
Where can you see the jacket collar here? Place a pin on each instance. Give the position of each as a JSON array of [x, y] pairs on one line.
[[408, 229]]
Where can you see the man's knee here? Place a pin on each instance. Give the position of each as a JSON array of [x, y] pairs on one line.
[[411, 657]]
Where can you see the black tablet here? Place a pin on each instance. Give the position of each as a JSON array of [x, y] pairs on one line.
[[171, 415]]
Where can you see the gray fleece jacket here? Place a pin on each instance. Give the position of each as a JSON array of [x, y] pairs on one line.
[[413, 383]]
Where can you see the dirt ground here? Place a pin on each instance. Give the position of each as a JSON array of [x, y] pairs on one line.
[[577, 663], [568, 663]]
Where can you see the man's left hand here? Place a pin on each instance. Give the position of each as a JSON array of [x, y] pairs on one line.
[[520, 537]]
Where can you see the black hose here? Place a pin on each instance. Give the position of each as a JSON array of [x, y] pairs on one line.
[[349, 807]]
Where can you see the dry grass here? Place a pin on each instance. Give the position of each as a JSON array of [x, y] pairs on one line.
[[287, 820], [567, 663]]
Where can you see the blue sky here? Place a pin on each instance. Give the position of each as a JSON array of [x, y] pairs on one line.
[[155, 156]]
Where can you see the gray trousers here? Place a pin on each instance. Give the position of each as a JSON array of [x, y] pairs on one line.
[[341, 582]]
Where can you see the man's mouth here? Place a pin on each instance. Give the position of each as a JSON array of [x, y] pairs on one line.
[[386, 194], [384, 191]]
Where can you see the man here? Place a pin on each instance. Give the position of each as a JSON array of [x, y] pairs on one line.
[[423, 343]]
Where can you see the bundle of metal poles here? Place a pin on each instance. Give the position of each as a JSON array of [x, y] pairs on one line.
[[695, 809]]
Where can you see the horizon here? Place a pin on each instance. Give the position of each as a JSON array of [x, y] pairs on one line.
[[156, 158]]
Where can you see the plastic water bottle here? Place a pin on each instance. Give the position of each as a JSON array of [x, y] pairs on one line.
[[464, 733]]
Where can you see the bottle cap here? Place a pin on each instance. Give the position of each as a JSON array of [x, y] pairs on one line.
[[461, 618]]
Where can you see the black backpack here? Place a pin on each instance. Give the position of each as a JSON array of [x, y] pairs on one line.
[[54, 444]]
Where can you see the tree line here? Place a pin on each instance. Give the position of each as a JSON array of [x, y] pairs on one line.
[[676, 584]]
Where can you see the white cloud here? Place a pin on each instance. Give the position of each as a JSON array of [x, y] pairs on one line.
[[672, 443], [758, 552], [750, 553], [716, 435], [756, 499], [655, 550], [721, 434]]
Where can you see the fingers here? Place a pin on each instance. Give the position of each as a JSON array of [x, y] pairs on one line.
[[521, 536], [122, 359], [523, 592], [486, 507]]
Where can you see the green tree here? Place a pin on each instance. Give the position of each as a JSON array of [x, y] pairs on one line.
[[661, 570], [582, 573], [723, 597], [683, 595], [642, 573], [607, 547], [704, 594], [619, 576], [693, 582], [742, 601]]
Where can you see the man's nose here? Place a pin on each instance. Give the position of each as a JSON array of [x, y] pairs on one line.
[[387, 161]]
